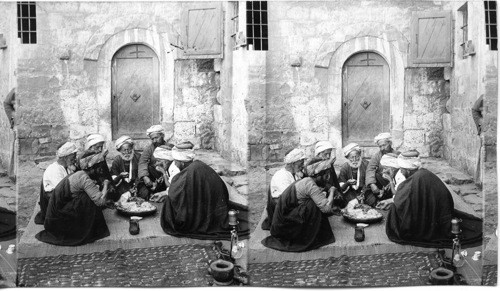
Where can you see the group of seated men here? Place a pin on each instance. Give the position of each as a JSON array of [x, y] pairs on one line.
[[76, 188], [304, 193]]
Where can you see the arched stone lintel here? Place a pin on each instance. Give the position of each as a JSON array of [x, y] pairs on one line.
[[97, 41], [396, 61], [161, 46]]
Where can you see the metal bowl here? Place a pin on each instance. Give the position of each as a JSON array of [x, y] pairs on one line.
[[125, 212], [362, 220]]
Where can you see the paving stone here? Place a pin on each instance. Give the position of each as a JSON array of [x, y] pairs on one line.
[[473, 199], [478, 207], [240, 180], [243, 190]]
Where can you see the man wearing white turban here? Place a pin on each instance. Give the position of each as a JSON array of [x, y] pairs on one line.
[[284, 177], [55, 172], [374, 181], [197, 203], [164, 164], [147, 163], [422, 209], [125, 166], [352, 173], [94, 143], [74, 213], [300, 222]]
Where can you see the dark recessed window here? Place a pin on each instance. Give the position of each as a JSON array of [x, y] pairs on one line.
[[462, 11], [257, 25], [234, 19], [26, 22], [490, 16]]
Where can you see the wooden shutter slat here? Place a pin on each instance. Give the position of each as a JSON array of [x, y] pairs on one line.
[[203, 30], [431, 38]]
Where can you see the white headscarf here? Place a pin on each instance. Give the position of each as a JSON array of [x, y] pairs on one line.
[[350, 148], [93, 139], [155, 129], [183, 152], [123, 140], [382, 136], [66, 150], [389, 160], [163, 153], [409, 161], [294, 156], [322, 146]]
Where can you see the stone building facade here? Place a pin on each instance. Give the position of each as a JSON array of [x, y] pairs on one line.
[[8, 48], [428, 103], [67, 80]]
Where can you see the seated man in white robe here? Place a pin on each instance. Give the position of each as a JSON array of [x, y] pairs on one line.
[[294, 163], [55, 172]]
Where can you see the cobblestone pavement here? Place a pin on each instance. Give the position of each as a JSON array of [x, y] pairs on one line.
[[381, 270], [169, 266]]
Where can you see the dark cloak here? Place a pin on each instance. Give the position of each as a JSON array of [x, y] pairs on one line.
[[7, 224], [72, 219], [197, 206], [298, 227], [422, 212], [44, 202], [271, 205]]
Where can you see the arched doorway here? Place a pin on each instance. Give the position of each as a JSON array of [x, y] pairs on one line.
[[135, 102], [365, 98]]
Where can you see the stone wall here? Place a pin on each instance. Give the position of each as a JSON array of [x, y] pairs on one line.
[[65, 79], [427, 92], [8, 28], [467, 83], [309, 43]]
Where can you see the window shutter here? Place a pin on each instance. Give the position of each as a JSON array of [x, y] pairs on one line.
[[431, 39], [203, 30]]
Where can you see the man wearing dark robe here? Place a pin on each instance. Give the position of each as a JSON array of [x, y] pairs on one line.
[[9, 106], [197, 204], [125, 166], [300, 222], [148, 175], [377, 189], [352, 173], [477, 115], [423, 209], [74, 216]]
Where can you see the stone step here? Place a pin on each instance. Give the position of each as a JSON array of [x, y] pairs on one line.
[[447, 173], [222, 166]]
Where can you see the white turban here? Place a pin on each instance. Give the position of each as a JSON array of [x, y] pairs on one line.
[[163, 153], [66, 150], [155, 129], [349, 148], [389, 160], [123, 140], [382, 136], [294, 156], [409, 160], [183, 152], [322, 146], [93, 139]]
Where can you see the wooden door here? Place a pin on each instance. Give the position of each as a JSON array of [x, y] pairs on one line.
[[365, 98], [135, 98]]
